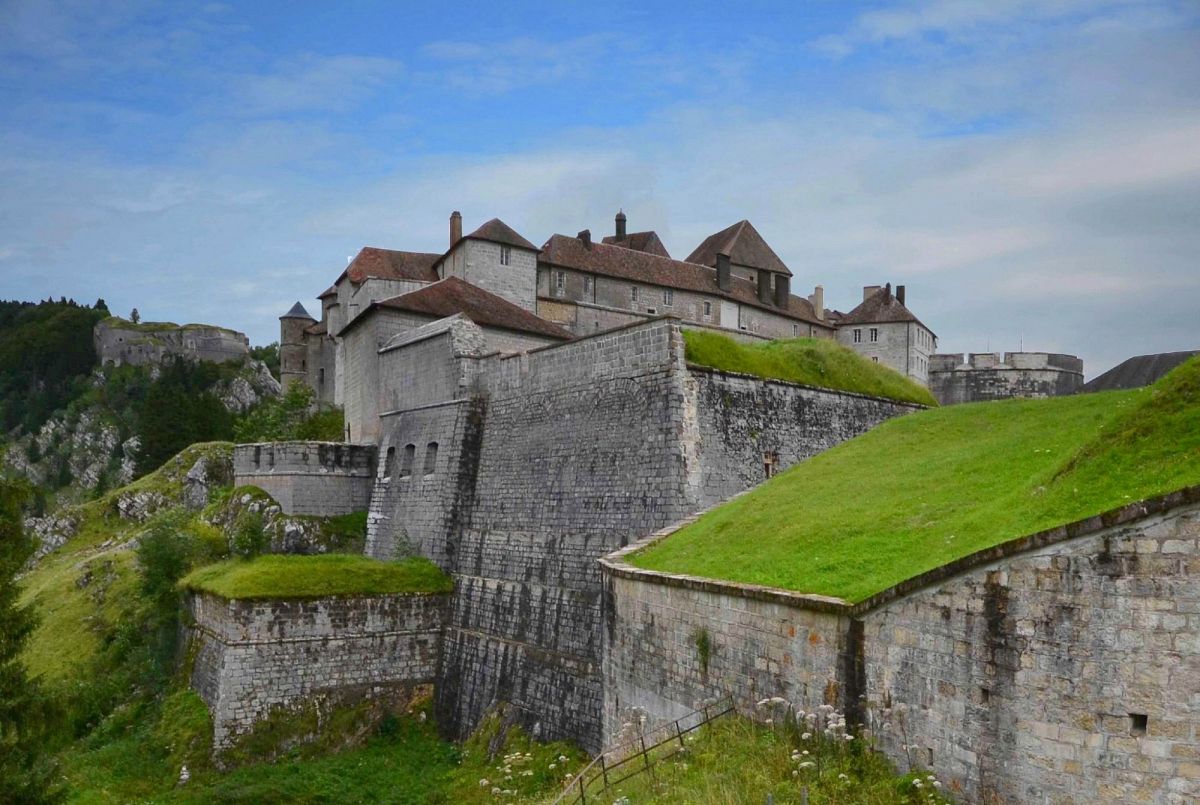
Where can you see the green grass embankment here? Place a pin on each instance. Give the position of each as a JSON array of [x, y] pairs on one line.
[[282, 576], [811, 361], [925, 489]]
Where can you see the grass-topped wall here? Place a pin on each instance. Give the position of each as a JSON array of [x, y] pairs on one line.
[[811, 361], [320, 576]]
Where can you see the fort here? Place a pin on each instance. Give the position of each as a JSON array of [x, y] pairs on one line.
[[120, 342], [526, 417]]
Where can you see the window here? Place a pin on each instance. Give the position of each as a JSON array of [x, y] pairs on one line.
[[795, 330], [651, 310], [668, 296], [633, 293], [410, 450], [431, 458], [560, 282], [707, 309], [587, 286], [770, 463], [858, 336], [874, 334], [1138, 722], [389, 463], [875, 359], [505, 255], [321, 377]]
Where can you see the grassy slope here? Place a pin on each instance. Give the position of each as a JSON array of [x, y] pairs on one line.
[[277, 576], [811, 361], [930, 487]]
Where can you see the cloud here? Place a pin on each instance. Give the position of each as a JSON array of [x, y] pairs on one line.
[[504, 65], [312, 82]]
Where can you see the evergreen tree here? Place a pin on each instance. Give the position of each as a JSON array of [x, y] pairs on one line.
[[25, 771], [134, 316]]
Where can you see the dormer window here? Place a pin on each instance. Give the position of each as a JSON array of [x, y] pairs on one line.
[[505, 255]]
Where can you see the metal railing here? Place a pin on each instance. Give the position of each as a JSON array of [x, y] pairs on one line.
[[617, 764]]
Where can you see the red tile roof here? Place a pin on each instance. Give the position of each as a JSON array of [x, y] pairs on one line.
[[640, 242], [881, 307], [387, 264], [453, 295], [497, 231], [743, 245], [615, 261]]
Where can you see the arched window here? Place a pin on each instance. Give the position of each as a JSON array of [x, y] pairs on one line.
[[389, 464], [406, 465], [431, 458]]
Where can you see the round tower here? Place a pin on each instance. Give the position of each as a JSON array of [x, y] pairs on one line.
[[293, 351]]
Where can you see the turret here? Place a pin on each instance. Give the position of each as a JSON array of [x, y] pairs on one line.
[[293, 351]]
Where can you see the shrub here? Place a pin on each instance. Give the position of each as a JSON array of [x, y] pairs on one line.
[[249, 539]]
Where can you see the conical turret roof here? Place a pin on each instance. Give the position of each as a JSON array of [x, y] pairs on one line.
[[297, 312]]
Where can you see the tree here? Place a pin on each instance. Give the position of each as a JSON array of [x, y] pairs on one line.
[[26, 772], [100, 305], [134, 316]]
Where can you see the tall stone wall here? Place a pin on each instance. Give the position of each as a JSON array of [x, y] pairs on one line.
[[318, 478], [120, 342], [254, 656], [1060, 667], [988, 376]]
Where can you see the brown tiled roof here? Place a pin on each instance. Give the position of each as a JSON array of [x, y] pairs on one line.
[[648, 242], [453, 295], [497, 231], [743, 245], [614, 261], [388, 264], [881, 307]]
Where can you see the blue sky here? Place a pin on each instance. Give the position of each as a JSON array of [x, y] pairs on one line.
[[1030, 170]]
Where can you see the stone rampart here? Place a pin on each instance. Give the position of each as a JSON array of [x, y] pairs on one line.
[[120, 342], [1059, 667], [317, 478], [252, 657], [955, 378]]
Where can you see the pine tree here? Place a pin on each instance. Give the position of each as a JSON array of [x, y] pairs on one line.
[[134, 316]]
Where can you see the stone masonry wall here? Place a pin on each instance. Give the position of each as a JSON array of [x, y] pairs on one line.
[[119, 342], [987, 376], [254, 656], [1060, 667], [318, 478]]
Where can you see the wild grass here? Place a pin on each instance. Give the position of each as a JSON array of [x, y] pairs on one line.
[[811, 361], [930, 487], [281, 576]]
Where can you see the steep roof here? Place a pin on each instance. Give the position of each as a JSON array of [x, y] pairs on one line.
[[743, 245], [375, 263], [297, 312], [881, 307], [1136, 372], [648, 242], [330, 291], [497, 231], [628, 264], [453, 295]]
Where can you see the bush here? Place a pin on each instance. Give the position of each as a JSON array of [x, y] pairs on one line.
[[289, 417], [249, 539]]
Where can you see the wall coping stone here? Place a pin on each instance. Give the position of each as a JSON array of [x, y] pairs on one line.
[[614, 563], [697, 367]]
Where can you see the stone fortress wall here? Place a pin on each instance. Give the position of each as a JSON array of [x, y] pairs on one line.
[[316, 478], [979, 376], [1060, 667], [254, 656], [121, 342]]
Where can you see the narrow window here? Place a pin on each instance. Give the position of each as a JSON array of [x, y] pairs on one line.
[[560, 281], [874, 334], [303, 365], [321, 376], [668, 296], [795, 330], [431, 458], [707, 309], [770, 462], [410, 450], [633, 293], [858, 336], [389, 463], [587, 286], [505, 255], [1138, 722]]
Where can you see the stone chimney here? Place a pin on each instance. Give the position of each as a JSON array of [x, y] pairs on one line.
[[585, 237], [900, 294], [764, 287], [887, 292], [783, 289], [818, 302], [723, 272], [869, 291], [455, 227], [620, 225]]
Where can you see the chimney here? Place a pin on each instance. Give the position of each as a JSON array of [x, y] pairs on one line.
[[783, 289], [818, 302], [585, 237], [869, 291], [455, 227], [723, 272], [764, 287], [887, 292], [900, 294], [620, 225]]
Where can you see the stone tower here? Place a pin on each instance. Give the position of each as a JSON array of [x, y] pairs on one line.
[[293, 351]]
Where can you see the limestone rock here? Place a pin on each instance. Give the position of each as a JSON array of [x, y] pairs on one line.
[[51, 532], [208, 473]]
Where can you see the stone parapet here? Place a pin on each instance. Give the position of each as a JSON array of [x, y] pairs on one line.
[[314, 478]]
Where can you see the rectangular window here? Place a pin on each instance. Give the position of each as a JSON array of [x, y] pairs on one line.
[[668, 296], [875, 359], [707, 309], [633, 293], [858, 336], [406, 468], [795, 330], [505, 255], [587, 286], [651, 310], [560, 282], [431, 451], [874, 334]]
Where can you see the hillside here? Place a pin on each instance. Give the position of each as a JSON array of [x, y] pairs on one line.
[[924, 489], [811, 361]]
